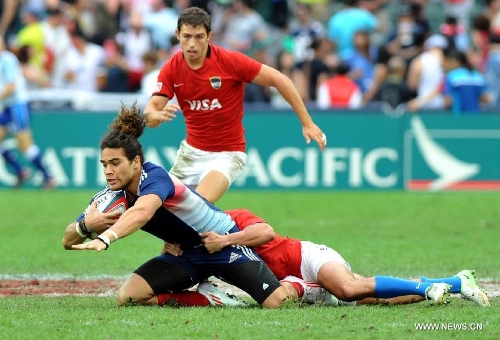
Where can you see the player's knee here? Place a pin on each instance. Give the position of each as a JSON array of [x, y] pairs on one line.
[[134, 291], [276, 299], [347, 292], [123, 296]]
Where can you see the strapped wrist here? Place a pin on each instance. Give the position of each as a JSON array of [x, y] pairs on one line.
[[105, 240], [79, 230], [83, 227]]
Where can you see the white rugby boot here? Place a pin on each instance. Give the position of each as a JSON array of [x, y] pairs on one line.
[[438, 292], [470, 289], [217, 297]]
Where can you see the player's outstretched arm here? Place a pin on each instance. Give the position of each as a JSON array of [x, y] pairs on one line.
[[131, 221], [269, 76]]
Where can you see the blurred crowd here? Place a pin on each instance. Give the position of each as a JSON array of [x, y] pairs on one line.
[[339, 54]]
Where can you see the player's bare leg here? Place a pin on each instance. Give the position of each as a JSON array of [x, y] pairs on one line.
[[24, 140], [213, 186], [277, 298], [341, 282], [136, 290]]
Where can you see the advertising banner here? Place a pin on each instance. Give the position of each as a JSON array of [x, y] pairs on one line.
[[365, 151]]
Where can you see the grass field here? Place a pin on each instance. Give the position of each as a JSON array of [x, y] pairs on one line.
[[391, 233]]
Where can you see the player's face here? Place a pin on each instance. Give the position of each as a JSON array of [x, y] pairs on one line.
[[119, 171], [194, 42]]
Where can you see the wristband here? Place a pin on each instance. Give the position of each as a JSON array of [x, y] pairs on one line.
[[112, 232], [83, 227], [105, 240], [79, 231]]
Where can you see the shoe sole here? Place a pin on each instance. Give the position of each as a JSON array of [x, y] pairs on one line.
[[445, 298], [482, 299], [479, 297]]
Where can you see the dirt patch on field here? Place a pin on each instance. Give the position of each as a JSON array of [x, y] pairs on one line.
[[109, 287], [17, 287]]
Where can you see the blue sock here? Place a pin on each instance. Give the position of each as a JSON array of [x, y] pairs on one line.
[[454, 281], [33, 154], [12, 161], [388, 287], [37, 161]]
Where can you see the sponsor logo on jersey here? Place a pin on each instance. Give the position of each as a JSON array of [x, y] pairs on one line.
[[234, 257], [204, 104], [216, 82], [158, 87]]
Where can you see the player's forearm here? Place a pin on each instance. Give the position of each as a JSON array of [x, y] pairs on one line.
[[252, 236], [71, 237], [131, 221], [287, 89], [149, 112]]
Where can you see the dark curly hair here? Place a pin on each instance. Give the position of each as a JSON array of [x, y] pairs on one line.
[[125, 131]]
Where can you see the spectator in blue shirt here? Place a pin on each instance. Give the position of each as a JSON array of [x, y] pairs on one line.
[[493, 69], [464, 87]]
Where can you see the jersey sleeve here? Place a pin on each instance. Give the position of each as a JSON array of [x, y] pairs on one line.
[[157, 182], [164, 82], [243, 66], [244, 218]]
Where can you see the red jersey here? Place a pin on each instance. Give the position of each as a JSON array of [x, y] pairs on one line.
[[211, 97], [283, 255], [341, 89]]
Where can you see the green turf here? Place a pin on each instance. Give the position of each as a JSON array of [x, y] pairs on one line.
[[392, 233]]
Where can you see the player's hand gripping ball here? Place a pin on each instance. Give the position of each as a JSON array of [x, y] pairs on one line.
[[110, 202]]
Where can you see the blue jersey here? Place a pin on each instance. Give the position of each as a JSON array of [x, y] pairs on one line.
[[10, 72], [184, 213], [465, 88]]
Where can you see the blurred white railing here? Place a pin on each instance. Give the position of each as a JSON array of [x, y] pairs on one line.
[[88, 101]]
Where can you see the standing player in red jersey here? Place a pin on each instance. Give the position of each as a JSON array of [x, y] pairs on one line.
[[209, 84]]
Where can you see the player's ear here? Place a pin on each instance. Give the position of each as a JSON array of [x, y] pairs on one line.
[[137, 162]]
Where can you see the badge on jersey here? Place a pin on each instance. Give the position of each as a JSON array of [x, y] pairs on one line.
[[158, 87], [216, 82]]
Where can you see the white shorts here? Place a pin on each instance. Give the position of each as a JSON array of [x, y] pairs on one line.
[[192, 164], [314, 256]]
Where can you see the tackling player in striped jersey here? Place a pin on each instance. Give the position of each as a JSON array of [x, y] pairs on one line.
[[163, 206]]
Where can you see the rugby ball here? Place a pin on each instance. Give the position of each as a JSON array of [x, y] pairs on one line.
[[109, 202], [112, 201]]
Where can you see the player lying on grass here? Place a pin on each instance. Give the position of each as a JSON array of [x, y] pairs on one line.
[[166, 208], [322, 265]]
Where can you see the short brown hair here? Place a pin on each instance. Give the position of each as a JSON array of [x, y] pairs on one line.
[[194, 16]]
